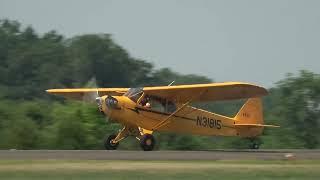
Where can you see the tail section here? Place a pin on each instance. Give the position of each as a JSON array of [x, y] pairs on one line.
[[250, 113], [249, 120]]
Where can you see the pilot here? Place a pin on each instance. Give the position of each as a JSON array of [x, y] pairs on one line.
[[146, 102], [147, 105]]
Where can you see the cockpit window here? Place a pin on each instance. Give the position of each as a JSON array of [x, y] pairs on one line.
[[158, 104], [134, 93]]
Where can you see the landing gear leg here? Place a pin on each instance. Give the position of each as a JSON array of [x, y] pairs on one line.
[[112, 142], [147, 140]]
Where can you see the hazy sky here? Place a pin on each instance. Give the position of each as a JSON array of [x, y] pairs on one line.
[[240, 40]]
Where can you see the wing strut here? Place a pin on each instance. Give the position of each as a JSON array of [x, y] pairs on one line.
[[167, 119]]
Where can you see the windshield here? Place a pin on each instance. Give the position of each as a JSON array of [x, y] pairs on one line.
[[134, 93]]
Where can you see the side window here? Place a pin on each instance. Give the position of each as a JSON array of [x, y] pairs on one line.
[[171, 107], [158, 104]]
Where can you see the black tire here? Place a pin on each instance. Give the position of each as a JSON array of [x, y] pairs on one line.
[[147, 142], [108, 144], [254, 146]]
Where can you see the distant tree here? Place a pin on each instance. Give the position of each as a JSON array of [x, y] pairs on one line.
[[165, 76], [295, 105], [99, 57]]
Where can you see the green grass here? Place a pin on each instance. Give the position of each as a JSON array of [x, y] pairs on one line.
[[56, 169]]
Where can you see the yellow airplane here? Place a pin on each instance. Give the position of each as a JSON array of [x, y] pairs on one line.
[[143, 111]]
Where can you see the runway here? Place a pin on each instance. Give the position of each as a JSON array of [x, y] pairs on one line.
[[160, 155]]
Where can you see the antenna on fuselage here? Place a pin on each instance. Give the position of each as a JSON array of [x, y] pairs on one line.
[[171, 83]]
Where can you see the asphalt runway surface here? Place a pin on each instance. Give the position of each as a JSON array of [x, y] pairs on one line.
[[159, 155]]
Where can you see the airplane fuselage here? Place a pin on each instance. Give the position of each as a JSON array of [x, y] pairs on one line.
[[189, 120]]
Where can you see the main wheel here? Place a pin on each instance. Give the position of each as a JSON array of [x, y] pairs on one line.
[[147, 142], [108, 142]]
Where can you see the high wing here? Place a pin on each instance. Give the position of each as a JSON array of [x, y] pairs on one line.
[[207, 92], [86, 93], [179, 93]]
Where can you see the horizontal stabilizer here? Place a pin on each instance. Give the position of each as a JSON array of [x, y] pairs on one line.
[[255, 125]]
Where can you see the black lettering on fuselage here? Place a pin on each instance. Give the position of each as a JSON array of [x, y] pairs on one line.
[[199, 121], [208, 122]]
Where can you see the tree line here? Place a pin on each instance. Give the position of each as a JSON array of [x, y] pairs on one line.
[[30, 63]]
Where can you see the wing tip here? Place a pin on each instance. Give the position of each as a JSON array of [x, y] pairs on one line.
[[51, 91]]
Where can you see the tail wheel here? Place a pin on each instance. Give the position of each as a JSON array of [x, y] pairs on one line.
[[147, 142], [108, 142], [254, 144]]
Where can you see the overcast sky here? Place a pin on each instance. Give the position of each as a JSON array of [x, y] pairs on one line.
[[228, 40]]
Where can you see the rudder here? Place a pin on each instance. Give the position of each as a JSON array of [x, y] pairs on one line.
[[249, 120], [250, 113]]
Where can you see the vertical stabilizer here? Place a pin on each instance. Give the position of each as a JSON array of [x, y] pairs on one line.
[[251, 112], [249, 120]]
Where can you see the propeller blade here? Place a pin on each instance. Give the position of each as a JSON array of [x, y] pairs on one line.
[[91, 96]]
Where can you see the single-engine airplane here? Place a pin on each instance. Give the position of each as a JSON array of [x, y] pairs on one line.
[[143, 111]]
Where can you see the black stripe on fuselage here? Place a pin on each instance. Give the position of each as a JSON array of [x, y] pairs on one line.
[[137, 109], [134, 110]]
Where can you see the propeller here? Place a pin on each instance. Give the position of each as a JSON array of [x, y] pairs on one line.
[[91, 96], [94, 96]]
